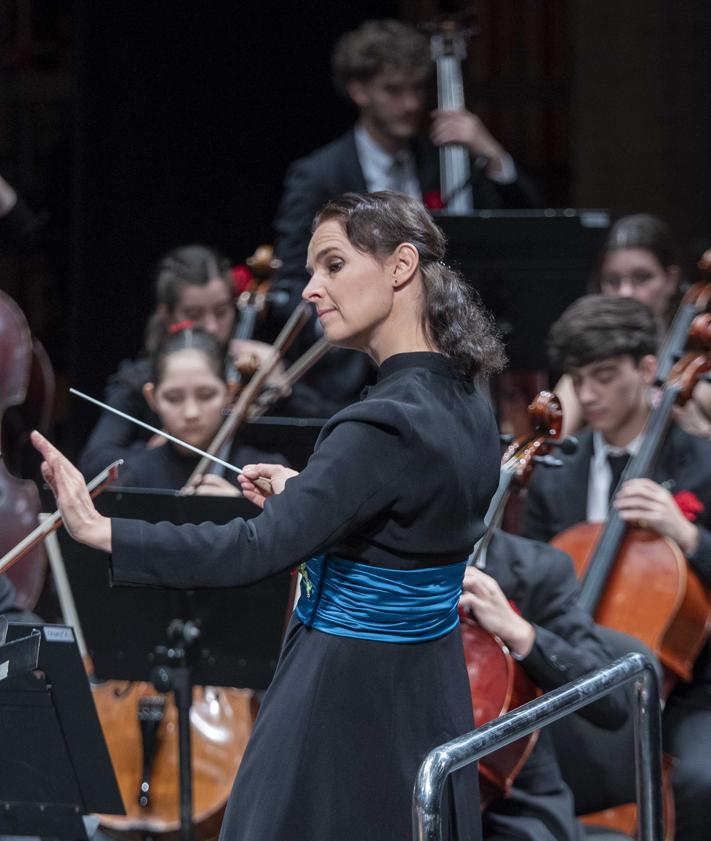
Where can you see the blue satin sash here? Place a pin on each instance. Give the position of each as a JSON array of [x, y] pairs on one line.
[[351, 599]]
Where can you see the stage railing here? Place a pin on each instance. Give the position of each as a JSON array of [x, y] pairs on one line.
[[444, 760]]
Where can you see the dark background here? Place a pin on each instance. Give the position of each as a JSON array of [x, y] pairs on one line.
[[141, 126]]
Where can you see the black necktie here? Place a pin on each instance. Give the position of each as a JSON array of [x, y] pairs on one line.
[[617, 466]]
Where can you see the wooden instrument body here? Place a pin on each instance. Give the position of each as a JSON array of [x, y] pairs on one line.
[[652, 594], [19, 498], [221, 723], [498, 684]]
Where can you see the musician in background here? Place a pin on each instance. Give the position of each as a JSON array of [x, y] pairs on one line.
[[526, 593], [193, 283], [640, 260], [384, 68], [607, 346], [189, 393]]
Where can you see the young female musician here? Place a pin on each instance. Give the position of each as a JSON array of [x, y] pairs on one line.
[[640, 261], [192, 283], [371, 675], [189, 393]]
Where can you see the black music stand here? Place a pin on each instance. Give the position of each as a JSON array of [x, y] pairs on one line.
[[55, 765], [528, 266], [19, 656], [178, 639]]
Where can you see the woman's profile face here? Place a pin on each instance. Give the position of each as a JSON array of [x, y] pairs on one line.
[[637, 273], [352, 292]]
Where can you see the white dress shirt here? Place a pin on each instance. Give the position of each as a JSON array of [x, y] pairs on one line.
[[601, 475], [383, 171]]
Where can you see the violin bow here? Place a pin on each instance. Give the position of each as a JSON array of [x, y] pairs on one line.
[[248, 395], [54, 521]]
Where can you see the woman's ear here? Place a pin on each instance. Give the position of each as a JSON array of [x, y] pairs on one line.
[[405, 261], [149, 393]]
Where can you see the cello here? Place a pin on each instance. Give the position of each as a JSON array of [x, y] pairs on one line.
[[633, 579], [498, 683], [26, 372]]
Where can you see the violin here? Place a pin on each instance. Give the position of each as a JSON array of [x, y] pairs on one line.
[[252, 301], [449, 49], [633, 579], [251, 392], [26, 398], [499, 683]]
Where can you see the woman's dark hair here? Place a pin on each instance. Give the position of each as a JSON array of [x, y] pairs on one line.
[[641, 230], [598, 327], [379, 46], [453, 318], [189, 338], [188, 265]]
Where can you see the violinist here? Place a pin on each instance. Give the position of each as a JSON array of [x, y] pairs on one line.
[[388, 507], [193, 283], [640, 260], [607, 347], [189, 393], [525, 592], [383, 67]]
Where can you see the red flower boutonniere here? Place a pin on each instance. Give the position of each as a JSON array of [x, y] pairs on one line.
[[433, 200], [242, 279], [690, 505]]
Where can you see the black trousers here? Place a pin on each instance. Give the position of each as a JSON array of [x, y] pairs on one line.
[[687, 737]]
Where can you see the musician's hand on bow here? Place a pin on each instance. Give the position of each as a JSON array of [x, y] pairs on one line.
[[210, 485], [467, 129], [80, 517], [276, 475], [249, 354], [484, 599], [649, 505]]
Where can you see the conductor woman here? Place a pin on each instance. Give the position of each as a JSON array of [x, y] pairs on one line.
[[371, 674]]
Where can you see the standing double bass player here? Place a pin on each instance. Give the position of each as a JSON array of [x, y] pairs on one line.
[[607, 345]]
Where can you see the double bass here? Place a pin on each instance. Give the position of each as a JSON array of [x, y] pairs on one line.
[[26, 398]]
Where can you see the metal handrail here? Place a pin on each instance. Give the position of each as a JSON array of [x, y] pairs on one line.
[[447, 758]]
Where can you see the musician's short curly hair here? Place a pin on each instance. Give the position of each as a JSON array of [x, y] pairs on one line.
[[597, 327], [379, 46]]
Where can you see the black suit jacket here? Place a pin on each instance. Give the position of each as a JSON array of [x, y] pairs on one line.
[[557, 497], [541, 581]]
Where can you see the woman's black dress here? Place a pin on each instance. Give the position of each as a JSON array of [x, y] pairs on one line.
[[400, 480]]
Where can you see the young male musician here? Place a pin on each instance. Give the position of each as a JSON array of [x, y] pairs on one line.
[[384, 68], [607, 345], [526, 593]]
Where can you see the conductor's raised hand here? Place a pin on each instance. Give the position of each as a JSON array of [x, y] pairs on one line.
[[260, 481], [80, 517]]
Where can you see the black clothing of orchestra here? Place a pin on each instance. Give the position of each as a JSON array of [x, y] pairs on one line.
[[400, 480], [556, 500], [541, 581], [113, 437], [326, 174]]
